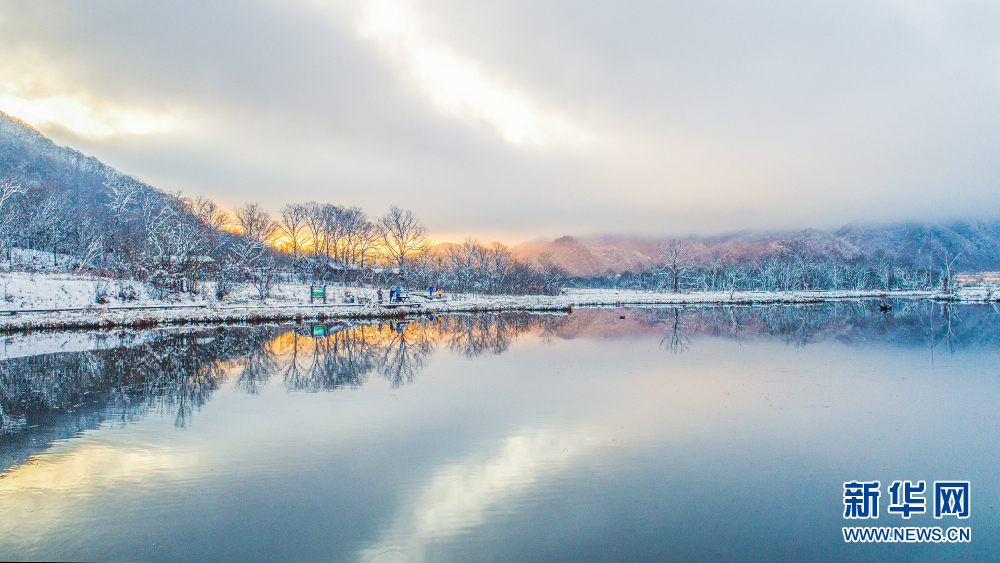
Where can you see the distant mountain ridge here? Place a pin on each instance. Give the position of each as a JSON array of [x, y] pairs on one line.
[[976, 243]]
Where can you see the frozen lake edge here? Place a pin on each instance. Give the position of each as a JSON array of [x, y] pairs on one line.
[[152, 313]]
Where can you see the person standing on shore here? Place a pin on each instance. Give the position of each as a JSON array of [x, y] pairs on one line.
[[380, 295]]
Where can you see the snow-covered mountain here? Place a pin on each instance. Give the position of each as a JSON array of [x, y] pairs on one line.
[[977, 243]]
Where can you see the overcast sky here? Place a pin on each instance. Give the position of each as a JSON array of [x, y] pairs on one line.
[[522, 119]]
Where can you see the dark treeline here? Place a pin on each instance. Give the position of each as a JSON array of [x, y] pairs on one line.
[[76, 213]]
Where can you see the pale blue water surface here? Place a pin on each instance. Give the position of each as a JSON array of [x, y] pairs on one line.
[[698, 434]]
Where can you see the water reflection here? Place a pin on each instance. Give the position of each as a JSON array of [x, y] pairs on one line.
[[608, 434], [938, 326], [461, 494], [52, 396]]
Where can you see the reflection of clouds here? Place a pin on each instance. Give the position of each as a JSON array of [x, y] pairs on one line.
[[57, 491], [461, 494], [92, 466]]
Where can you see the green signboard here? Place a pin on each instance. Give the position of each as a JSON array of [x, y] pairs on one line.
[[317, 292]]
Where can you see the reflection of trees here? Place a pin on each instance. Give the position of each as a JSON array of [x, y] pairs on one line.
[[675, 322], [909, 323], [347, 355], [405, 351], [259, 363], [164, 370], [342, 359], [475, 335], [53, 396], [676, 338], [178, 371], [397, 351]]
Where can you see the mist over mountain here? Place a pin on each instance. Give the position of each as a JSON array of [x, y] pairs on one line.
[[976, 243]]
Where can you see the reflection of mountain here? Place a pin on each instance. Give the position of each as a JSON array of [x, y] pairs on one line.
[[48, 397], [909, 323]]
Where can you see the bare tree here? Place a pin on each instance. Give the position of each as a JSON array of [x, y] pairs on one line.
[[733, 276], [314, 226], [255, 223], [210, 213], [402, 236], [333, 231], [9, 189], [356, 240], [258, 231], [948, 271], [123, 191], [293, 225], [676, 263]]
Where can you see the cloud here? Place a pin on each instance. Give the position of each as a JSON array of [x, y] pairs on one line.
[[456, 83], [84, 120], [530, 118]]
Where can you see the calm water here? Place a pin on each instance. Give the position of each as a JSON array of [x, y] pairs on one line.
[[711, 434]]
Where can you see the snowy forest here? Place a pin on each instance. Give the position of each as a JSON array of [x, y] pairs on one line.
[[688, 266], [81, 215], [88, 217]]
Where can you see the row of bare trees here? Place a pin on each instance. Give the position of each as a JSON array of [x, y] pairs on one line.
[[682, 268], [126, 229], [327, 240], [489, 268]]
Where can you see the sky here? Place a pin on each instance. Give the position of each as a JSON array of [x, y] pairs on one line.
[[529, 119]]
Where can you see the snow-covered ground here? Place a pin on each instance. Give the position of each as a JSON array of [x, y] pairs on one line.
[[34, 260], [49, 300]]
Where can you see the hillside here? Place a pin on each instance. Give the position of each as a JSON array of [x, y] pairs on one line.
[[95, 217], [77, 206], [32, 159], [978, 244]]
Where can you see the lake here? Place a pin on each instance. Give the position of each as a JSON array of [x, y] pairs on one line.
[[635, 434]]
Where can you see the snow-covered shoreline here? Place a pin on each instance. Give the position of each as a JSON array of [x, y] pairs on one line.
[[50, 301]]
